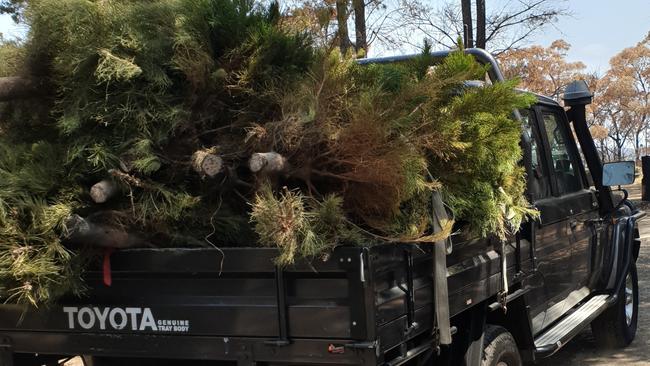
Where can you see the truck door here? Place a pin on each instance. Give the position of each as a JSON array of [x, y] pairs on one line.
[[583, 210], [539, 190], [564, 234], [552, 243]]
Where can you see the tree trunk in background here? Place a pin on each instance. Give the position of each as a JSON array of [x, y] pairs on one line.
[[466, 6], [480, 24], [17, 87], [619, 149], [342, 20], [360, 27], [637, 145]]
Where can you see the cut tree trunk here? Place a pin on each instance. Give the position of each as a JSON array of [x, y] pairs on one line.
[[269, 162], [83, 232], [18, 87], [207, 163], [103, 191]]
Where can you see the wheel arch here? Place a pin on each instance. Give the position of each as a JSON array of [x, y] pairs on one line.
[[516, 320]]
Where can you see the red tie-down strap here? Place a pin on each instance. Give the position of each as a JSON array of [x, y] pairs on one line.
[[108, 279]]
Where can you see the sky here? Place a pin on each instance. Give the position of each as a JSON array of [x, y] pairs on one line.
[[9, 29], [597, 29]]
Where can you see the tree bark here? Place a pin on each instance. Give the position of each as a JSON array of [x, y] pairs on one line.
[[269, 162], [17, 87], [206, 163], [103, 191], [466, 7], [342, 20], [480, 24], [360, 26]]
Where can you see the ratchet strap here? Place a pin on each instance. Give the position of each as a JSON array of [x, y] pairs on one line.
[[440, 249], [503, 294]]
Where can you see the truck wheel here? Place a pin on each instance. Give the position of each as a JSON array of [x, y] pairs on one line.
[[499, 348], [616, 326]]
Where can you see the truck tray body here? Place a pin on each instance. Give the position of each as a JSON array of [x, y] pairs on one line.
[[363, 306]]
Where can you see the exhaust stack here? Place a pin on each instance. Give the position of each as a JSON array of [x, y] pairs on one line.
[[577, 96]]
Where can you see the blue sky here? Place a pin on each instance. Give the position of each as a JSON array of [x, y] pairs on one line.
[[597, 29]]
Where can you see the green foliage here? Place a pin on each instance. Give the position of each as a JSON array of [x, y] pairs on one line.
[[132, 82], [34, 265], [12, 56], [299, 229], [472, 143], [388, 127], [485, 185]]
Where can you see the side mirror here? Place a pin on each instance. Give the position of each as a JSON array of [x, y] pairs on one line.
[[619, 173]]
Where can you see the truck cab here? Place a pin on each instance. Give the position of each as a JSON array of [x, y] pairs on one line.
[[473, 301], [558, 186], [585, 242]]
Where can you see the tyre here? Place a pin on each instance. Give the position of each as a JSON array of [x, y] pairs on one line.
[[616, 326], [499, 348]]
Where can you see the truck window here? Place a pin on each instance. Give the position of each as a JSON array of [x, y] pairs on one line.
[[566, 174], [538, 183], [588, 179]]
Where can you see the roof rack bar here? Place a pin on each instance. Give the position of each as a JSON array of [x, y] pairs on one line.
[[480, 54]]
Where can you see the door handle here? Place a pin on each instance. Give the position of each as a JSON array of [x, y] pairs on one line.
[[573, 224]]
